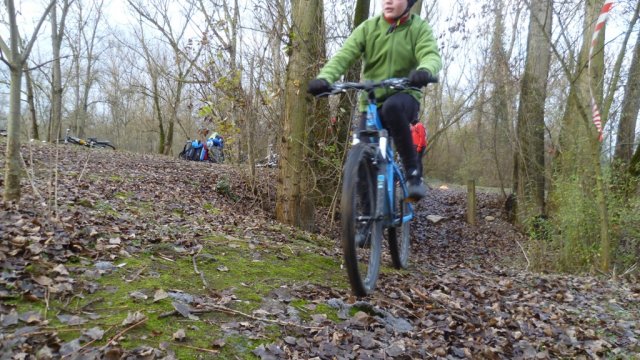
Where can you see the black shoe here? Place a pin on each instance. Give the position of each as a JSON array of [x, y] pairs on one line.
[[415, 188]]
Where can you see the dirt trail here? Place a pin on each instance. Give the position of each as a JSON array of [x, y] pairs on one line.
[[202, 254]]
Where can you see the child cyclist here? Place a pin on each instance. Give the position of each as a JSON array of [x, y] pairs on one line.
[[393, 44]]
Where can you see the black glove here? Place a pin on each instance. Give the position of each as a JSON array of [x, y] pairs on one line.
[[420, 78], [318, 86]]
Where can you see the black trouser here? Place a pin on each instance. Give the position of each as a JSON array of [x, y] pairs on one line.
[[396, 114], [420, 156]]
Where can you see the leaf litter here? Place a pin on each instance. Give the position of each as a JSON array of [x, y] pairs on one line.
[[466, 294]]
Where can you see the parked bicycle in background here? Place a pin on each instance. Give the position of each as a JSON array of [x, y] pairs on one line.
[[90, 142]]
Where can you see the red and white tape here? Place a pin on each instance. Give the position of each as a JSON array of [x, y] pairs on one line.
[[602, 19]]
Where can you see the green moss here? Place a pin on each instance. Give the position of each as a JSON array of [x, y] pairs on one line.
[[306, 311], [123, 195], [177, 212], [84, 202], [141, 207], [254, 271], [212, 209], [105, 207], [332, 314]]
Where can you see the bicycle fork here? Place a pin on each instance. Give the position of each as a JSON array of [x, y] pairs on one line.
[[381, 179]]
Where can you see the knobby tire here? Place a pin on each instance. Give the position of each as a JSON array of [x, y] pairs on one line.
[[104, 146], [399, 240], [361, 233]]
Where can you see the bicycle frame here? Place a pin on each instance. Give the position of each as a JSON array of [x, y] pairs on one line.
[[371, 202], [385, 197]]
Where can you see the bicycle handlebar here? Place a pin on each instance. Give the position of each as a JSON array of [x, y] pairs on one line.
[[394, 83]]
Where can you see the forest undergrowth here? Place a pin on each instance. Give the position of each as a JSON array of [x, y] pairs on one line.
[[119, 255]]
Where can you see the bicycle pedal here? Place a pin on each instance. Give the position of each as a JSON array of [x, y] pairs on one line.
[[411, 200]]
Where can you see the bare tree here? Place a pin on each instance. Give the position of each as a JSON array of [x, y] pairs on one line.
[[83, 47], [15, 60], [578, 168], [529, 166], [630, 104], [31, 103], [57, 31], [634, 166], [501, 96], [157, 14]]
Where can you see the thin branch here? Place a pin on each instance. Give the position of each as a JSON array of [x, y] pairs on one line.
[[278, 322], [630, 270], [525, 255], [85, 166], [195, 267], [118, 335], [79, 351], [616, 69], [30, 177], [27, 49], [37, 67], [41, 332], [196, 348], [4, 48]]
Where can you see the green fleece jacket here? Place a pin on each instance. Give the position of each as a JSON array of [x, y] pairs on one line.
[[410, 46]]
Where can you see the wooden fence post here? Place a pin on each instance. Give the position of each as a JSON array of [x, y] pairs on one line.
[[471, 202]]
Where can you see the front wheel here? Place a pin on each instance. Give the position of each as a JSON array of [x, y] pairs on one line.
[[361, 232], [103, 146], [399, 241]]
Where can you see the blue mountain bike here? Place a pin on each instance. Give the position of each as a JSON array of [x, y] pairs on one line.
[[373, 196]]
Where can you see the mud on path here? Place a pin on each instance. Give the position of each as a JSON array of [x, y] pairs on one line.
[[117, 255]]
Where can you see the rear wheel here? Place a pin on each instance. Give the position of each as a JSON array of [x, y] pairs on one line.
[[399, 241], [361, 232]]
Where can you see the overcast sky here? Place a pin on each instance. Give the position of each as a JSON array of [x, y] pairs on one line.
[[453, 45]]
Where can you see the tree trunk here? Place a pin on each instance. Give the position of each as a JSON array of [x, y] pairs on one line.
[[293, 205], [417, 7], [347, 109], [347, 112], [500, 98], [630, 107], [158, 111], [15, 61], [361, 12], [634, 166], [13, 165], [529, 167], [57, 30], [89, 70], [31, 103], [56, 81], [168, 145], [76, 113], [276, 45], [168, 141]]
